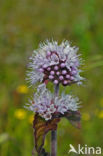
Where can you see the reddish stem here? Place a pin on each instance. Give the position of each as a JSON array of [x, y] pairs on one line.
[[53, 143], [54, 132]]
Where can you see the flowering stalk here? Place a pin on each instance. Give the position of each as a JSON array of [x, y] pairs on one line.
[[58, 64], [54, 132]]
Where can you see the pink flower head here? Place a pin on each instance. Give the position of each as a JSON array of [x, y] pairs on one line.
[[46, 104], [55, 63]]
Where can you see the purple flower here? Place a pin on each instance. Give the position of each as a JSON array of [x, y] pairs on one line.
[[53, 59], [46, 104]]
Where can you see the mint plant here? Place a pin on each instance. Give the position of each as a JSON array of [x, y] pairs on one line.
[[58, 64]]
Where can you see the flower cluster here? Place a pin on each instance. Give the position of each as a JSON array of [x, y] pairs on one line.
[[56, 63], [46, 104]]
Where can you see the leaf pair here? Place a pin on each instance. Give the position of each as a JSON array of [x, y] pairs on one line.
[[42, 127]]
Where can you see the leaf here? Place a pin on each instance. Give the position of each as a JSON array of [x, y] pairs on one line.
[[74, 118], [41, 128]]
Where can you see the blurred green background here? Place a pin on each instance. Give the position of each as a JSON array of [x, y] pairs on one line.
[[25, 23]]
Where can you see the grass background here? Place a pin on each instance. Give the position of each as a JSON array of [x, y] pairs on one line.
[[23, 24]]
